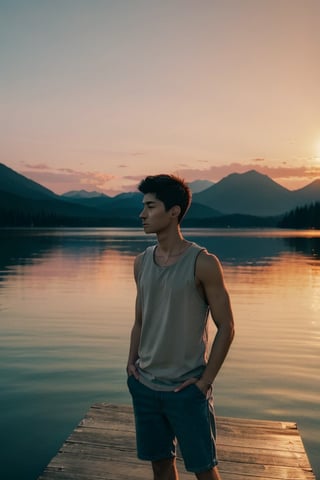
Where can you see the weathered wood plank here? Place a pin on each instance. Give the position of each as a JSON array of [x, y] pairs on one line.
[[102, 447]]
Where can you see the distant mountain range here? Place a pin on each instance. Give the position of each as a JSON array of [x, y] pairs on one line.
[[253, 193], [248, 199]]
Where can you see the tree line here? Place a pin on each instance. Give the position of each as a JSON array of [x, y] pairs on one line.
[[19, 218], [305, 217]]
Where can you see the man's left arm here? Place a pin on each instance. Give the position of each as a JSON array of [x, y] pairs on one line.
[[210, 275]]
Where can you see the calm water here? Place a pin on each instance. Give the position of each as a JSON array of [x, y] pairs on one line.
[[66, 309]]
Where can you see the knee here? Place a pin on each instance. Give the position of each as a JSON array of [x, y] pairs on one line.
[[164, 469]]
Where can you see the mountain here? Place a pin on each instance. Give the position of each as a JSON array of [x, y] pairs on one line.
[[200, 185], [83, 194], [25, 202], [199, 211], [125, 204], [130, 203], [13, 182], [249, 193], [248, 199], [101, 202], [309, 193], [110, 204]]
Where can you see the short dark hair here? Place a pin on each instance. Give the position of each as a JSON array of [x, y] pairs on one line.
[[169, 189]]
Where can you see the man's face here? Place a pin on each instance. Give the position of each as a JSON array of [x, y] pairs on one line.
[[154, 216]]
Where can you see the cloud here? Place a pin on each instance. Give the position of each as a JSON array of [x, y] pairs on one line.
[[68, 170], [37, 166], [63, 179], [97, 179], [216, 172], [283, 174]]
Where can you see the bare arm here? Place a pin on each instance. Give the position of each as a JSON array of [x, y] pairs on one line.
[[209, 277], [209, 274], [136, 329]]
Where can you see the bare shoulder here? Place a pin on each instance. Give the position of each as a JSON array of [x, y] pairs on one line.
[[137, 265], [208, 267]]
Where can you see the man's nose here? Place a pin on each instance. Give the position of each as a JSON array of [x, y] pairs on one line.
[[143, 213]]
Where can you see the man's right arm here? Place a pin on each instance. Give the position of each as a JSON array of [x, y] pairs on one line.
[[136, 329]]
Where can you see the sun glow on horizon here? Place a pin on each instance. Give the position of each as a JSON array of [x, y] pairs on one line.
[[317, 150]]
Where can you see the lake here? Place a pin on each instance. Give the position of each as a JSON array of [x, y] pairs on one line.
[[66, 310]]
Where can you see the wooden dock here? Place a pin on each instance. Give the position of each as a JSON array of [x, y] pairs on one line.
[[102, 447]]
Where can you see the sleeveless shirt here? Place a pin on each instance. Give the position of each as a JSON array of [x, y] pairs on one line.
[[174, 338]]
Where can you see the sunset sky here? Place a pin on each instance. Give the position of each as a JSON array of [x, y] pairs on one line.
[[96, 94]]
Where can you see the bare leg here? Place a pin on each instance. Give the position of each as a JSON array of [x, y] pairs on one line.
[[165, 469], [212, 474]]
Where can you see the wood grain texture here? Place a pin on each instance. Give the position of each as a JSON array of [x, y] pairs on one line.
[[102, 447]]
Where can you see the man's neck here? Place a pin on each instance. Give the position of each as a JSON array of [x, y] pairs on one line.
[[170, 242], [169, 250]]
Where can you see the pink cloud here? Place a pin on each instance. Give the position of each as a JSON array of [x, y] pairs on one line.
[[37, 166], [215, 173], [62, 180], [68, 170], [65, 179]]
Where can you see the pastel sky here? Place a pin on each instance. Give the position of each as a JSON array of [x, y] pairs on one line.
[[97, 94]]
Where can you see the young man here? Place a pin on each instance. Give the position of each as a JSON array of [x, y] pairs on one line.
[[169, 375]]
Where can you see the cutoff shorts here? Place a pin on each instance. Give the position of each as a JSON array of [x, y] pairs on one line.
[[164, 418]]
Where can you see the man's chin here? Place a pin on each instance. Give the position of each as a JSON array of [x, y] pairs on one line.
[[147, 229]]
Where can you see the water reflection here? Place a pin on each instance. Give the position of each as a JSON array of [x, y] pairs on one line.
[[18, 249], [67, 303], [306, 246], [238, 248]]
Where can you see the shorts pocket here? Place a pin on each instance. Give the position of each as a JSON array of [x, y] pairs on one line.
[[198, 391], [130, 382]]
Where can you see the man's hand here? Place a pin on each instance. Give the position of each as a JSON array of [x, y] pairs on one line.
[[204, 386], [185, 384], [132, 370], [201, 384]]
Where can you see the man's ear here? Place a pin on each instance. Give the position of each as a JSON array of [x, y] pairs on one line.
[[175, 211]]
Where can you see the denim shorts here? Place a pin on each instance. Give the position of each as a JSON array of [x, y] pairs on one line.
[[162, 418]]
